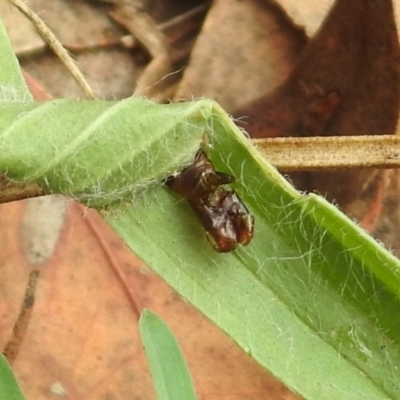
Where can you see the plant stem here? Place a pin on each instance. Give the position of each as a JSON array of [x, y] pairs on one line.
[[329, 153]]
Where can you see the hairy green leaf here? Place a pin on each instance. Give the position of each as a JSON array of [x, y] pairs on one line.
[[98, 152], [313, 298]]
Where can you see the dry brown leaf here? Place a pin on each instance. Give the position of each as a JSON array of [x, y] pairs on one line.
[[245, 49], [97, 43], [82, 341], [346, 82], [311, 13], [23, 35]]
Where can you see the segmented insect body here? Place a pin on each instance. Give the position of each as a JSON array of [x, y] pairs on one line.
[[222, 213]]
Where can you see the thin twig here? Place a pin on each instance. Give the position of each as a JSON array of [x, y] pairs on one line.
[[13, 191], [330, 153], [13, 345], [49, 37]]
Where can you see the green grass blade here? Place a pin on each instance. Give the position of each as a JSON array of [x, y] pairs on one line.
[[168, 368], [12, 83], [9, 388]]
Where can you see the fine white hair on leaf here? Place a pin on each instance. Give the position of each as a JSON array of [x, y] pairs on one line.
[[100, 152]]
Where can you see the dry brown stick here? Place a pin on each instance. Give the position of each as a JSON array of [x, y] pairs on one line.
[[13, 345], [13, 191], [330, 153], [49, 37]]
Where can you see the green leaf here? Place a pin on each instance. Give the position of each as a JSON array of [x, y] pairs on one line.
[[98, 152], [170, 374], [313, 298], [9, 388], [12, 83]]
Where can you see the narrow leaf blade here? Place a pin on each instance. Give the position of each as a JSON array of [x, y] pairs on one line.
[[9, 388], [12, 83], [168, 368]]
